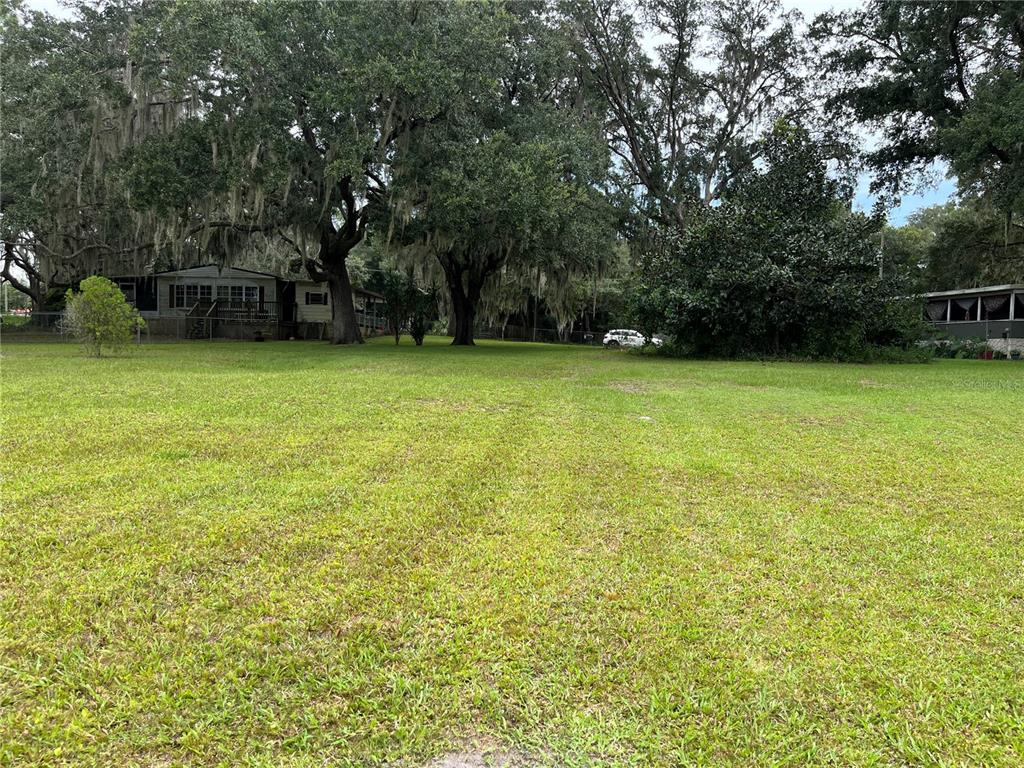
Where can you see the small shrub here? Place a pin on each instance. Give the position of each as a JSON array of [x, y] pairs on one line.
[[407, 306], [422, 311], [99, 316], [969, 349], [15, 321]]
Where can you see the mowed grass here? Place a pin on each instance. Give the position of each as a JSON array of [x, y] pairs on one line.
[[287, 554]]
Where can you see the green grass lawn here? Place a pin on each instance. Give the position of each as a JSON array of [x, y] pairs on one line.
[[287, 554]]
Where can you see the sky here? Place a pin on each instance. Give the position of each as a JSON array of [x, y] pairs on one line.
[[935, 194]]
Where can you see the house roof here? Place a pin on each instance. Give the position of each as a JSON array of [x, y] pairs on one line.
[[974, 291], [224, 271]]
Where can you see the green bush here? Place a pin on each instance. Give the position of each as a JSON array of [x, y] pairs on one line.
[[15, 321], [99, 316], [407, 306], [780, 269], [960, 349], [422, 311]]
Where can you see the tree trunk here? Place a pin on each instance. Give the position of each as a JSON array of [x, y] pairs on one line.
[[465, 294], [536, 305], [465, 315], [344, 325], [332, 269], [463, 304]]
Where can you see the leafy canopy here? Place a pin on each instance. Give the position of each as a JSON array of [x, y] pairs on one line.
[[686, 119], [938, 80]]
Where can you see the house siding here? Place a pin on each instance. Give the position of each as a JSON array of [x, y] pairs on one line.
[[213, 277], [984, 329], [311, 313]]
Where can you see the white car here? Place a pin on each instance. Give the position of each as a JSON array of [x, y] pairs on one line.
[[626, 338]]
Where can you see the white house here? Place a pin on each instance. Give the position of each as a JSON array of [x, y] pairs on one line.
[[210, 301], [183, 292], [312, 310]]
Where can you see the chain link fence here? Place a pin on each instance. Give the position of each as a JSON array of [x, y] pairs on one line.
[[34, 326], [50, 327]]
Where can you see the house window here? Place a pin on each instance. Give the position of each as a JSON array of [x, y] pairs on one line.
[[185, 296], [995, 307], [316, 297], [963, 310], [937, 310], [238, 294]]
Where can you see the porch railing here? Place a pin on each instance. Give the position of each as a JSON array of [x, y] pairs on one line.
[[236, 310]]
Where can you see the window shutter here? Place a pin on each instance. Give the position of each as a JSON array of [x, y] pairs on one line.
[[307, 297], [171, 296]]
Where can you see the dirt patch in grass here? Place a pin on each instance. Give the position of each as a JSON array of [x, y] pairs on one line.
[[479, 760], [481, 753], [629, 387]]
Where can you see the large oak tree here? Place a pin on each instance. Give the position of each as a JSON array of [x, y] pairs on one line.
[[689, 87], [304, 106], [71, 109], [936, 81], [507, 188]]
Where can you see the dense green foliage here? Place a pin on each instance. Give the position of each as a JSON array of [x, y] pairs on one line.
[[302, 125], [963, 246], [99, 317], [422, 314], [507, 189], [593, 557], [781, 267], [406, 305], [685, 118], [940, 80], [64, 211]]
